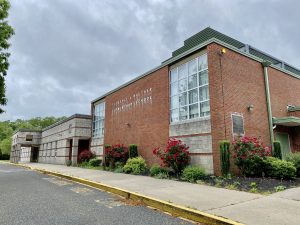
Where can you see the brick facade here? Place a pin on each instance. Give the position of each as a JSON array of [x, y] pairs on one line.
[[144, 118], [236, 82]]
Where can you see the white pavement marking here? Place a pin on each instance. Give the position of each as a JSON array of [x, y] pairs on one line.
[[82, 190], [58, 182]]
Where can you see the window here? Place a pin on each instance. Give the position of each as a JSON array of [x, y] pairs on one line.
[[98, 119], [237, 124], [29, 137], [189, 94], [55, 148]]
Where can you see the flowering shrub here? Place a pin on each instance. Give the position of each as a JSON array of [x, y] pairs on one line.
[[249, 155], [85, 156], [116, 153], [175, 156]]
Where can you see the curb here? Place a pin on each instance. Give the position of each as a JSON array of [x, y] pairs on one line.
[[173, 209]]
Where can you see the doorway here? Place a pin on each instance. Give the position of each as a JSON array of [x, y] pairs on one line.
[[285, 143], [34, 154]]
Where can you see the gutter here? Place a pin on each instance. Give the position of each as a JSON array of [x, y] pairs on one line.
[[265, 65]]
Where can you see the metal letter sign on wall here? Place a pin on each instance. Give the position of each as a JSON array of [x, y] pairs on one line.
[[143, 97]]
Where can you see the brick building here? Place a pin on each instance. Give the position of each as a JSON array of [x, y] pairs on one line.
[[55, 144], [212, 88]]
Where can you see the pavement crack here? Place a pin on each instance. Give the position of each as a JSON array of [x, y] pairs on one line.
[[241, 202]]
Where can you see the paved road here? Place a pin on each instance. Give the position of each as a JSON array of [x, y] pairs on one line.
[[31, 198]]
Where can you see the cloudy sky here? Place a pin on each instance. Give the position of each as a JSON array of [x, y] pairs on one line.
[[68, 52]]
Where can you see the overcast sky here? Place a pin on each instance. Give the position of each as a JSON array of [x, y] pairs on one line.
[[66, 53]]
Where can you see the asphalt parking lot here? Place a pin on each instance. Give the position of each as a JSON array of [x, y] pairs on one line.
[[28, 197]]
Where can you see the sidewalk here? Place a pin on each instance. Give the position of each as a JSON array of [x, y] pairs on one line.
[[280, 208]]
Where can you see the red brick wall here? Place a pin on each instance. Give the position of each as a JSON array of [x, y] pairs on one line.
[[284, 90], [243, 84], [148, 124]]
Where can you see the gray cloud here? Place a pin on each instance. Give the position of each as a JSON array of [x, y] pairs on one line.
[[66, 53]]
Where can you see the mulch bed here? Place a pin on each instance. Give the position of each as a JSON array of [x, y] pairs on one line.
[[252, 184]]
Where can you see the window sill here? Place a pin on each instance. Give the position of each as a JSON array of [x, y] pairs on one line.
[[191, 120]]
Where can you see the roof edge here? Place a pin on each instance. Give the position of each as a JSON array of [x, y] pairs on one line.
[[190, 51], [83, 116]]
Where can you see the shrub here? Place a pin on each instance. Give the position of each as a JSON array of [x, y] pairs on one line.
[[295, 158], [95, 162], [115, 153], [135, 165], [156, 169], [133, 151], [175, 156], [277, 150], [68, 162], [118, 167], [85, 156], [225, 157], [249, 155], [5, 156], [193, 173], [279, 169]]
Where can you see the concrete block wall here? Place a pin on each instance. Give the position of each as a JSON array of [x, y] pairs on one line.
[[25, 154], [197, 135], [55, 144], [97, 146]]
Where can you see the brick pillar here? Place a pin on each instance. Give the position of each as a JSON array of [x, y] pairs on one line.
[[75, 151]]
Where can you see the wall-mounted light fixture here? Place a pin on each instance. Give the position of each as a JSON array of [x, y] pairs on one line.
[[127, 124], [250, 108]]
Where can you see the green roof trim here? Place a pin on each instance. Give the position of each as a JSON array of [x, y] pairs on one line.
[[290, 121], [205, 35]]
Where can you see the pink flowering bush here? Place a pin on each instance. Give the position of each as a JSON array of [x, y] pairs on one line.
[[175, 155], [86, 155], [249, 155], [116, 153]]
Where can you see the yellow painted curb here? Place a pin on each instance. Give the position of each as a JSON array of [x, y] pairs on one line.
[[175, 210]]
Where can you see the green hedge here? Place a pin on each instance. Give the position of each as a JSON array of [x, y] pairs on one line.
[[295, 159], [279, 169], [193, 173], [155, 170], [135, 166]]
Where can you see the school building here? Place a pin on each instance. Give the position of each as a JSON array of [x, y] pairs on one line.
[[212, 88]]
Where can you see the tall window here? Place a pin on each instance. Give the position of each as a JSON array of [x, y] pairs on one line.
[[98, 120], [189, 90]]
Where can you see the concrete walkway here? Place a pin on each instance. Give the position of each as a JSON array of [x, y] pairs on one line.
[[280, 208]]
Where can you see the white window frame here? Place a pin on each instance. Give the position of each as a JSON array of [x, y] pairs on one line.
[[97, 129], [198, 87]]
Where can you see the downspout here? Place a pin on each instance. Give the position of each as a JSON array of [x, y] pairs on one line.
[[265, 65]]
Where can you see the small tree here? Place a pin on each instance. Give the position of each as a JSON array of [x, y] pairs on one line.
[[175, 156], [6, 31]]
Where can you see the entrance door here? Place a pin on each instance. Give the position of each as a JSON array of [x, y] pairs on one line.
[[285, 143]]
